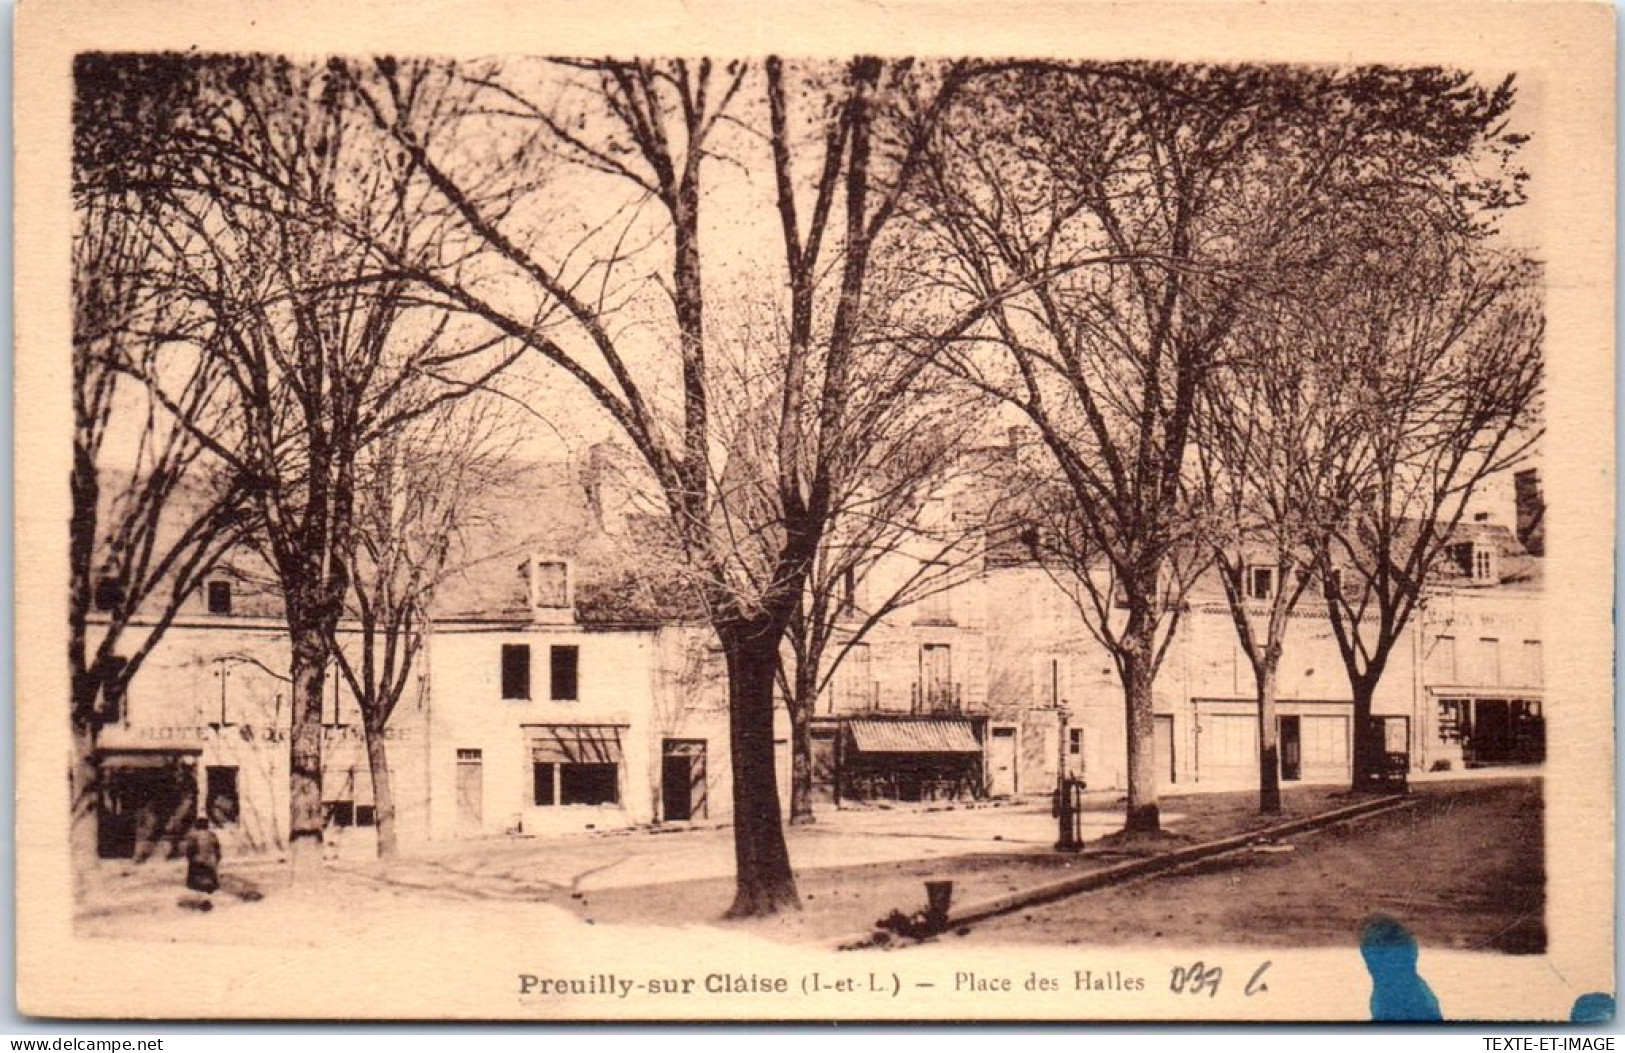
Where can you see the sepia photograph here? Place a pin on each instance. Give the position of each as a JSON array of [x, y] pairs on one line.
[[728, 524]]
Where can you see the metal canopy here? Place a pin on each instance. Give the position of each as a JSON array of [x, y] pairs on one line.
[[575, 743], [914, 736]]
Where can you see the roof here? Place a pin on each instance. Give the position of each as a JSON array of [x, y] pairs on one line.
[[914, 736]]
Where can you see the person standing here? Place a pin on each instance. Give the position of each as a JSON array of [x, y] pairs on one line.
[[202, 857]]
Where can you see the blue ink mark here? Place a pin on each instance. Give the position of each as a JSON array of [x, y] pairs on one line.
[[1594, 1008], [1397, 992]]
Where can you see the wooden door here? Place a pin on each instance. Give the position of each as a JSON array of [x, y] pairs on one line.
[[1162, 742], [470, 792], [1001, 762], [682, 780]]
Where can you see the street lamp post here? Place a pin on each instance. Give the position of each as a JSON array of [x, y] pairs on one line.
[[1068, 813]]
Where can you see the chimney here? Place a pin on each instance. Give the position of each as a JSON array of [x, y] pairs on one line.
[[1531, 506], [550, 590], [592, 482]]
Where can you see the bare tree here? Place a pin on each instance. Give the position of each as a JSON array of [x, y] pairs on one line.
[[893, 541], [1282, 446], [1153, 206], [658, 134], [1450, 356], [152, 510], [421, 500], [322, 345]]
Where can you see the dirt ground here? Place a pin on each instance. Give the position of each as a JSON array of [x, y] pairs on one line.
[[843, 901], [1462, 869]]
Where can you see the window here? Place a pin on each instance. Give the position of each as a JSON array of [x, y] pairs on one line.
[[1260, 583], [1490, 650], [1444, 659], [366, 815], [576, 764], [565, 663], [516, 671], [220, 801], [340, 813], [219, 597], [546, 775], [936, 675], [1483, 563], [1534, 663], [1032, 538], [114, 688], [1074, 741], [1454, 719], [590, 784], [936, 607], [849, 592], [549, 583], [340, 708], [855, 680]]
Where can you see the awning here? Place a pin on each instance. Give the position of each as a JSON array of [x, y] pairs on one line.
[[575, 744], [180, 756], [914, 736]]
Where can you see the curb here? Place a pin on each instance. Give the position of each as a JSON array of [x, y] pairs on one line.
[[1122, 872]]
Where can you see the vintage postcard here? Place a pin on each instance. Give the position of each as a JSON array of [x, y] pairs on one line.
[[724, 511]]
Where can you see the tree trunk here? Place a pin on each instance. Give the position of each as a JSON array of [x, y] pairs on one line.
[[1269, 744], [83, 789], [305, 747], [1365, 747], [1144, 816], [801, 705], [764, 882], [383, 796]]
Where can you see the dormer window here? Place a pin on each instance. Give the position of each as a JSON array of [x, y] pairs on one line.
[[219, 597], [548, 588], [1032, 538], [1477, 560], [1260, 582]]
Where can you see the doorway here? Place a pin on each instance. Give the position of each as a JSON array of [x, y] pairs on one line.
[[1291, 749], [1162, 741], [823, 764], [1001, 762], [470, 792], [682, 780], [147, 804]]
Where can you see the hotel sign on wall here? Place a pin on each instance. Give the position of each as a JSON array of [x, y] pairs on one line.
[[251, 733]]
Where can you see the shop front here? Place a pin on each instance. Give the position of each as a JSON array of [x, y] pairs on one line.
[[147, 801], [908, 759]]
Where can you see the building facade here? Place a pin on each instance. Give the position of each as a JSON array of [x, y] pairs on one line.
[[534, 709]]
